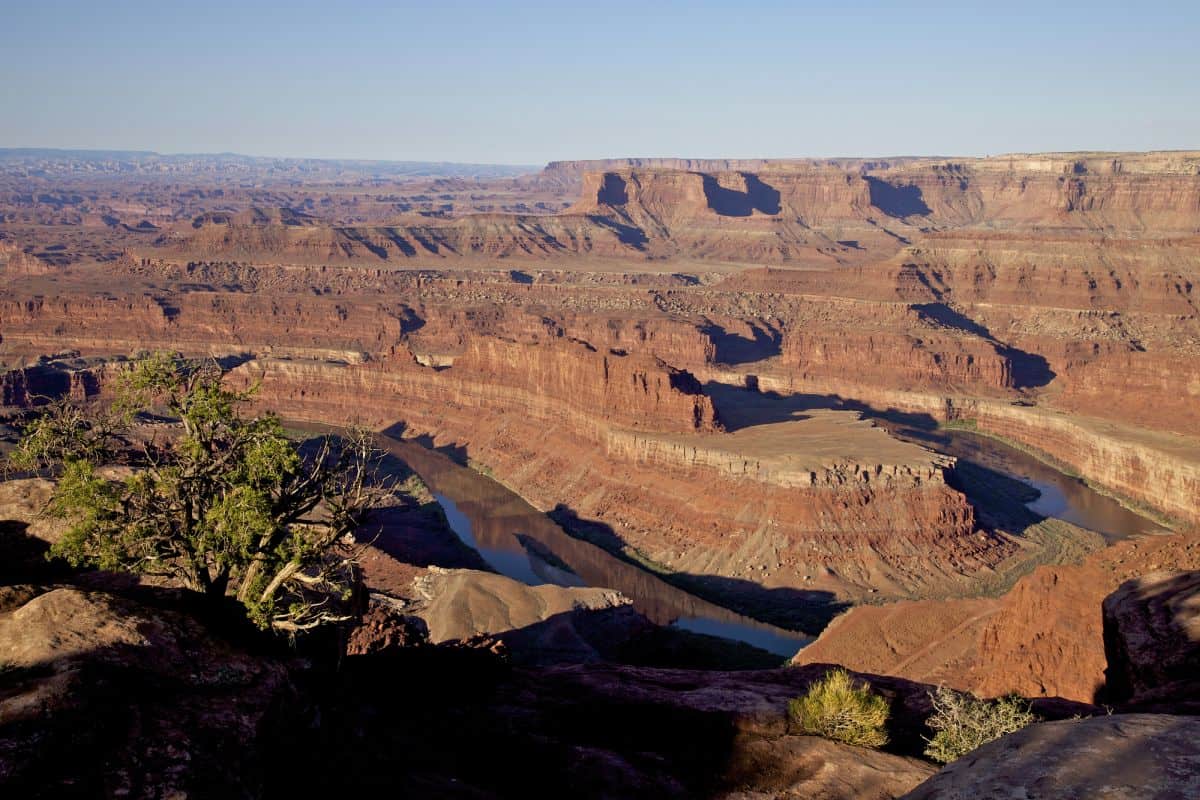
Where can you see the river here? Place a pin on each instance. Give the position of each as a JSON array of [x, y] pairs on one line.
[[521, 542], [1060, 496]]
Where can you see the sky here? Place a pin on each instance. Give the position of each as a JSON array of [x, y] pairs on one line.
[[530, 82]]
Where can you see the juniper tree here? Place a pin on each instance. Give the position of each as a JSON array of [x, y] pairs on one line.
[[224, 503]]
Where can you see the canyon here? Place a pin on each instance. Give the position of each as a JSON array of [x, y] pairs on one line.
[[703, 366], [670, 437]]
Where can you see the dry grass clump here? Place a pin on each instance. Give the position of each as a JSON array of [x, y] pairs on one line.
[[837, 707], [961, 723]]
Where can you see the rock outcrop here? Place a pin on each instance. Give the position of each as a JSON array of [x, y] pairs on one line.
[[811, 767], [23, 501], [37, 385], [104, 695], [383, 628], [1152, 640], [1131, 756], [602, 731], [1045, 637], [16, 263], [533, 624]]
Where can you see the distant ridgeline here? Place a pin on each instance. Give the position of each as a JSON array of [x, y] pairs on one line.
[[144, 162]]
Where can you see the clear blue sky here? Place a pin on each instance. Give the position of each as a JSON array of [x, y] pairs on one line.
[[527, 82]]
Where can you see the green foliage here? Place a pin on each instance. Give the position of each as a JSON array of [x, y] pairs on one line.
[[224, 504], [837, 707], [64, 432], [961, 723]]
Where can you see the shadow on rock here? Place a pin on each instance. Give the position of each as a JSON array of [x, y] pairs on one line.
[[734, 349], [897, 200], [744, 407], [794, 609], [758, 196], [789, 608], [1028, 370], [23, 557]]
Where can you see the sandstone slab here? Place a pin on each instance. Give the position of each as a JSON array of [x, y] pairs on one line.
[[1120, 757]]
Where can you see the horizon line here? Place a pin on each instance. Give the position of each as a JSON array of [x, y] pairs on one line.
[[16, 149]]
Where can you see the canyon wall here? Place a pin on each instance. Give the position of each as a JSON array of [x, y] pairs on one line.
[[898, 360], [1043, 638], [696, 509], [583, 355], [802, 212], [197, 322], [1126, 371], [1160, 471]]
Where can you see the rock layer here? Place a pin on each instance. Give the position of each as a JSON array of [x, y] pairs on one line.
[[848, 527]]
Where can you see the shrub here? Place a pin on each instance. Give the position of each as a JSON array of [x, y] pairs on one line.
[[962, 723], [837, 707]]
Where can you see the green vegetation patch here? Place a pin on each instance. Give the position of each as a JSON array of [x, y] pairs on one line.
[[838, 707]]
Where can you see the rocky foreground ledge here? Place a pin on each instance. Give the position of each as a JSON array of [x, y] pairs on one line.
[[110, 691], [1121, 756], [110, 695]]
